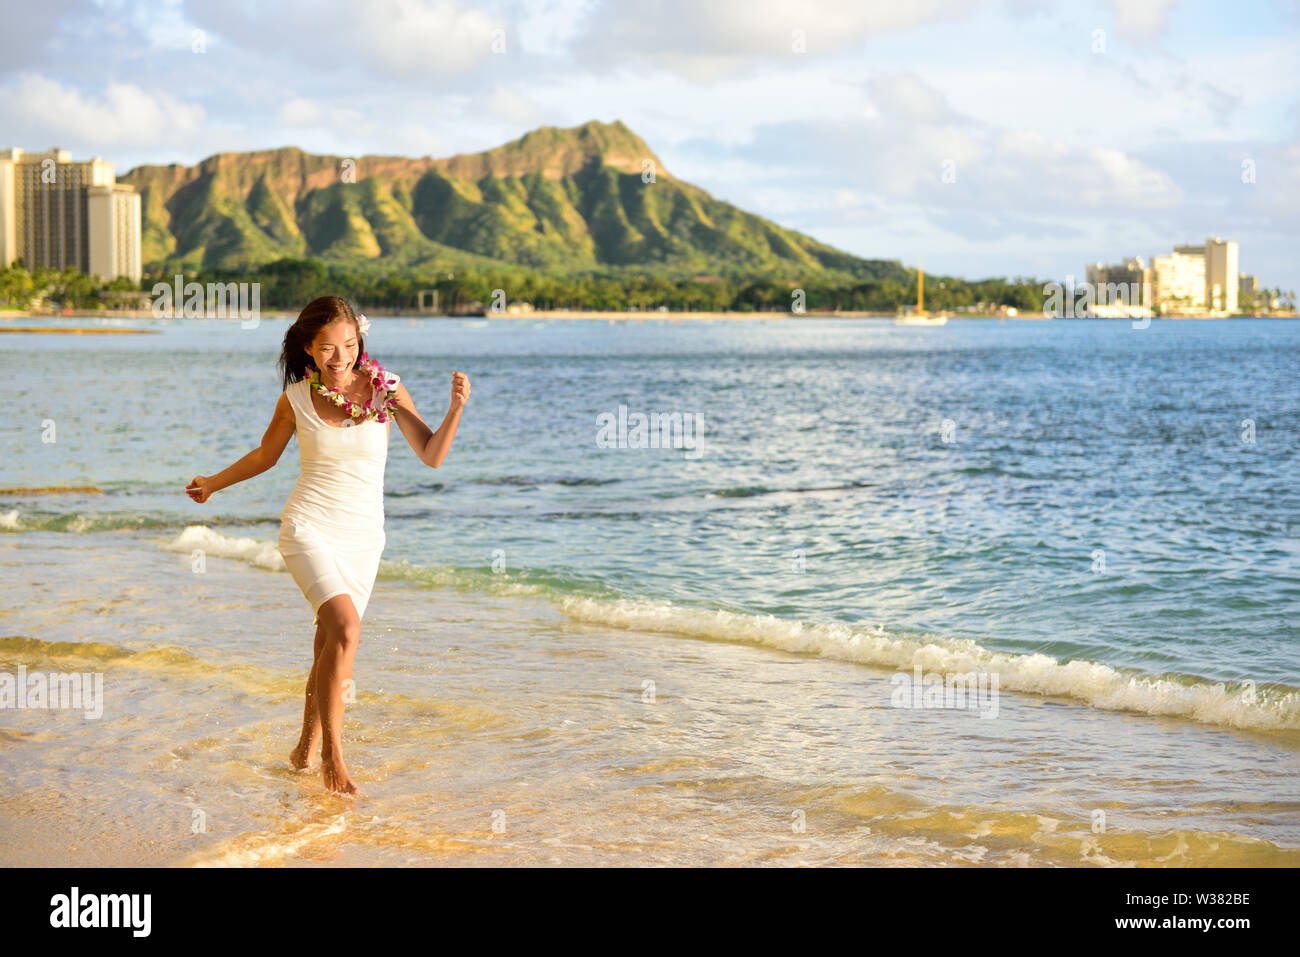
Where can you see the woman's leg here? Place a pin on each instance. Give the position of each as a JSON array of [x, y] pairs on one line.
[[309, 740], [342, 634]]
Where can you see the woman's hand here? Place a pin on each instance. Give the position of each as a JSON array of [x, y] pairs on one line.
[[459, 390], [199, 489]]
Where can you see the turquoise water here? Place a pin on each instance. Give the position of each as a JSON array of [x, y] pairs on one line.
[[1090, 496]]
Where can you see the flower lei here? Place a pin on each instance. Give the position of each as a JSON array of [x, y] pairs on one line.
[[382, 386]]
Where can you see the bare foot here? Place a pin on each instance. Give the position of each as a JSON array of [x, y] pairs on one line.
[[300, 758], [336, 778]]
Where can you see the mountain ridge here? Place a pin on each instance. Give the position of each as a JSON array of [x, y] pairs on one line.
[[559, 199]]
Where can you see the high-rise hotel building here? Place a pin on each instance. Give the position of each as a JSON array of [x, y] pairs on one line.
[[1222, 276], [1196, 279], [1180, 280], [57, 213]]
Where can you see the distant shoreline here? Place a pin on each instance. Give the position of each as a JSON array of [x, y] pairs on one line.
[[80, 330], [523, 316], [545, 314]]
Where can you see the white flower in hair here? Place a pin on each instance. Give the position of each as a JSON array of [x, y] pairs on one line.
[[363, 324]]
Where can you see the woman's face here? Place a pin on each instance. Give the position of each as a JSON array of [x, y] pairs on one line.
[[335, 350]]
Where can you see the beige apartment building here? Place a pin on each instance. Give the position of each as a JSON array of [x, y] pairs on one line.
[[1180, 280], [1222, 285], [1216, 263], [1190, 281], [58, 213]]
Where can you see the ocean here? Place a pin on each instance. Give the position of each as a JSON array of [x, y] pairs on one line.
[[738, 648]]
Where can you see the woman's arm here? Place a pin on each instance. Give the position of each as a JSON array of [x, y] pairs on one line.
[[429, 446], [255, 462]]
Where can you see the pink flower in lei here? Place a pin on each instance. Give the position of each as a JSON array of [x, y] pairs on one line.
[[383, 387]]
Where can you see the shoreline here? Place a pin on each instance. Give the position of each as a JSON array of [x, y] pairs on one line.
[[81, 330], [644, 767], [605, 315], [410, 314], [559, 314]]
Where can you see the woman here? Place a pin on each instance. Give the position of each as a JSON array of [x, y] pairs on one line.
[[342, 405]]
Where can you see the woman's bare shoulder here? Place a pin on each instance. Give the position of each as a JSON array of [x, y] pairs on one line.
[[284, 407]]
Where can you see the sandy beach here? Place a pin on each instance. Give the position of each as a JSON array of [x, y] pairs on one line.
[[494, 730]]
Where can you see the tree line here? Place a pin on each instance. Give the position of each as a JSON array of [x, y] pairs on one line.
[[290, 283]]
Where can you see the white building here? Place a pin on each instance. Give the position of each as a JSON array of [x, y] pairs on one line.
[[1179, 280], [1221, 283], [58, 213]]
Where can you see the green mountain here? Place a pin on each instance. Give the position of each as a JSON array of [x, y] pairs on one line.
[[561, 200]]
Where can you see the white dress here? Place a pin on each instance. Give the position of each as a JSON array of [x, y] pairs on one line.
[[332, 526]]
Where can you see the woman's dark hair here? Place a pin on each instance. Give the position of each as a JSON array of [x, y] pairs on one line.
[[296, 364]]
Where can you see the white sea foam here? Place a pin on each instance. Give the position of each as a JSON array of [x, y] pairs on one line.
[[10, 520], [255, 551], [1098, 685], [253, 850]]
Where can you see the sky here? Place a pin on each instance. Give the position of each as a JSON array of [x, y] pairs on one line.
[[1002, 138]]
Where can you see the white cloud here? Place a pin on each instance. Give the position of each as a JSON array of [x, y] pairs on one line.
[[123, 115], [1142, 17], [983, 182], [430, 38], [509, 105], [906, 94], [546, 27], [340, 128], [404, 38], [300, 112], [705, 41]]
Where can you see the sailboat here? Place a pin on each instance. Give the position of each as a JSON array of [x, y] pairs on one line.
[[921, 317]]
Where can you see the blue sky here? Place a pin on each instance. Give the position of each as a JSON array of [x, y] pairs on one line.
[[1069, 132]]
